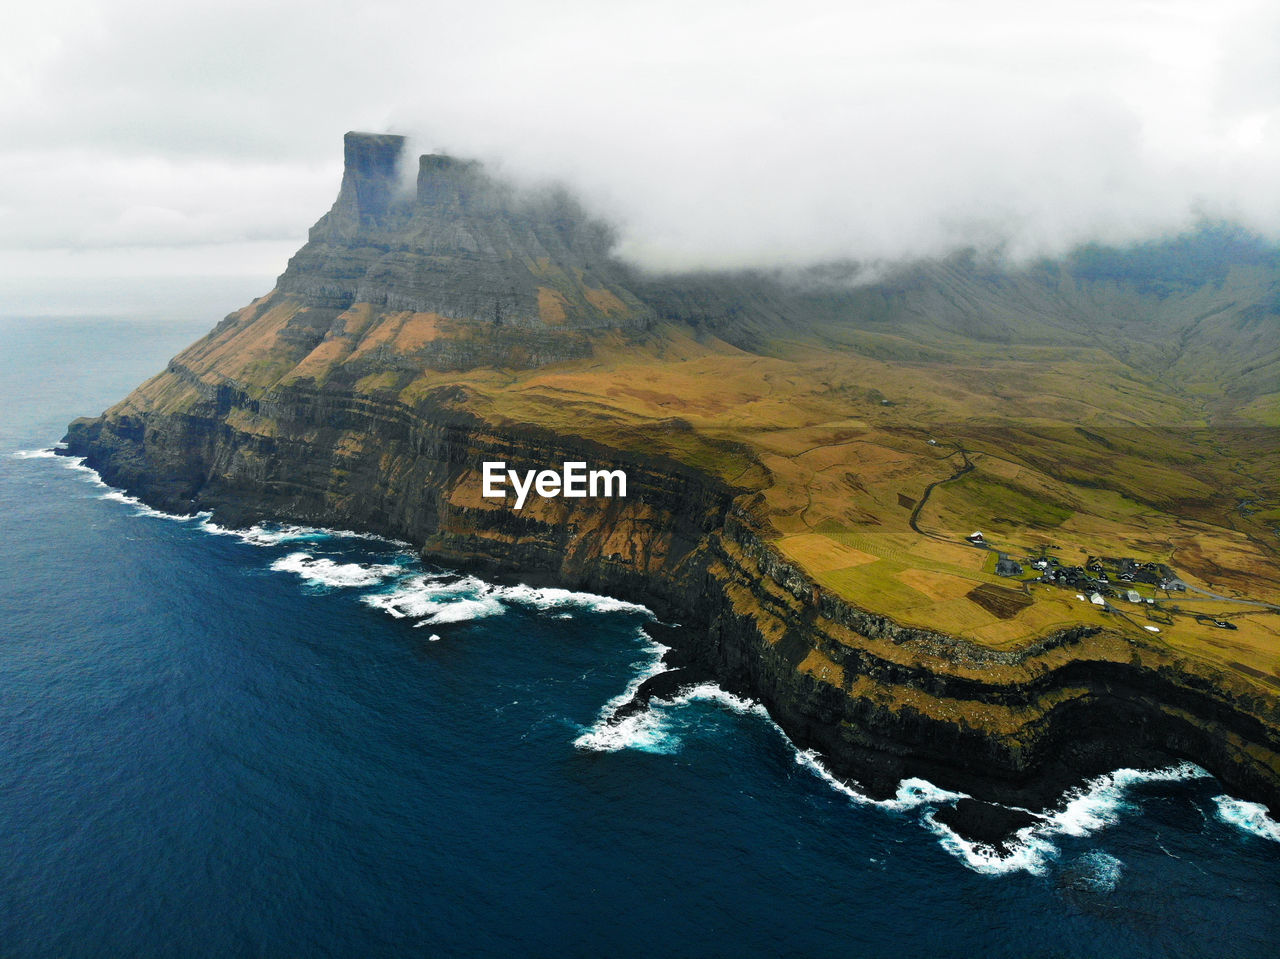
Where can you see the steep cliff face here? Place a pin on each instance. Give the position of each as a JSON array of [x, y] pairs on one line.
[[880, 702], [364, 392], [460, 245]]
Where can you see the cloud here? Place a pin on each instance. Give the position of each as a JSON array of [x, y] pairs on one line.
[[714, 134]]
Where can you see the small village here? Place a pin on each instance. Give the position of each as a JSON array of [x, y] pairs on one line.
[[1145, 593]]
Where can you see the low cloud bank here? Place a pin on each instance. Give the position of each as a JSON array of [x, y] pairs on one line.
[[730, 135]]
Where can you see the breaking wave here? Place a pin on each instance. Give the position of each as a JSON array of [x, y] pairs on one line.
[[274, 534], [912, 793], [142, 509], [559, 599], [430, 598], [265, 534], [1092, 807], [434, 598], [442, 598], [1249, 816], [77, 464], [1087, 809], [657, 727], [642, 730], [438, 598], [325, 572], [74, 463]]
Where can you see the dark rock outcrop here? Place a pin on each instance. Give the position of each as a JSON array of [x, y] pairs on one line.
[[880, 702], [295, 409], [460, 245]]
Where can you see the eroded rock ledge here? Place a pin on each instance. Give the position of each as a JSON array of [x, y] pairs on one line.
[[880, 702]]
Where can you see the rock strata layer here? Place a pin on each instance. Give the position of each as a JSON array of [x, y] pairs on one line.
[[879, 702], [495, 278]]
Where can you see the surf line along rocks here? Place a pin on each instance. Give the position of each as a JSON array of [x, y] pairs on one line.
[[574, 481]]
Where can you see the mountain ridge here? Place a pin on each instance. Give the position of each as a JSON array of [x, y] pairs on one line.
[[809, 458]]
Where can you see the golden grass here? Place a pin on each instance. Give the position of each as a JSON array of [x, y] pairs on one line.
[[604, 301], [818, 553], [319, 362], [937, 586], [418, 330], [381, 331], [552, 306], [1070, 448], [822, 668]]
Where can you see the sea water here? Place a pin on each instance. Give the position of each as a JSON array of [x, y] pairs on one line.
[[290, 741]]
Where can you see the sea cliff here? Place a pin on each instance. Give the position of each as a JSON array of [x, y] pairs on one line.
[[310, 406]]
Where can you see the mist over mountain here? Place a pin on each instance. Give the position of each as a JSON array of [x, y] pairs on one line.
[[715, 478], [808, 454], [725, 135]]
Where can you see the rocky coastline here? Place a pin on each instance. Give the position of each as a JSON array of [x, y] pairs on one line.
[[340, 400], [878, 702]]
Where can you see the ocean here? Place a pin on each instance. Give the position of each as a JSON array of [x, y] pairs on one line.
[[295, 742]]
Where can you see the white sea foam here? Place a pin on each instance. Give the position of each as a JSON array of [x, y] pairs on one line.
[[1028, 851], [257, 535], [438, 598], [1094, 806], [648, 731], [808, 758], [1250, 816], [142, 509], [551, 598], [420, 598], [656, 727], [442, 598], [34, 454], [912, 793], [91, 475], [76, 464], [1100, 802], [274, 534], [710, 692], [1098, 872], [463, 611], [645, 730], [1084, 811], [325, 572]]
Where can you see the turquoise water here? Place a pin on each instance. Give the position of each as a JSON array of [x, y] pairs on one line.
[[294, 742]]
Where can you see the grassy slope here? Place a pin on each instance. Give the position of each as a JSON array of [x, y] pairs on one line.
[[1097, 419]]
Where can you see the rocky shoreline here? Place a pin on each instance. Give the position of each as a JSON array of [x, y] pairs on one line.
[[879, 702], [342, 399]]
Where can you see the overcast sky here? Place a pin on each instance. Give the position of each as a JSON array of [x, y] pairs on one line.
[[141, 137]]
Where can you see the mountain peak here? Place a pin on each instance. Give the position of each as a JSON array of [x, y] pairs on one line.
[[371, 154], [370, 172], [463, 245]]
